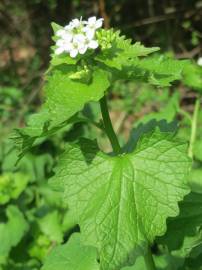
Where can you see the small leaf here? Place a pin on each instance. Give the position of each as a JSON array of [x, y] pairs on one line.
[[11, 186], [50, 226], [122, 202], [119, 50], [84, 75], [72, 256], [12, 231], [192, 76], [55, 27]]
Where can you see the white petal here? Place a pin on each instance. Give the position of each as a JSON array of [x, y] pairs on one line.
[[60, 32], [85, 29], [92, 20], [79, 38], [99, 23], [60, 42], [73, 53], [76, 22], [68, 47], [69, 27], [90, 33], [59, 50], [83, 49], [67, 36], [93, 44]]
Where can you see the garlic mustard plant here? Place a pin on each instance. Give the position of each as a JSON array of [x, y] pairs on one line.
[[78, 36], [121, 200]]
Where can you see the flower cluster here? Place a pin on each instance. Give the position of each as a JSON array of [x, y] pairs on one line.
[[78, 36]]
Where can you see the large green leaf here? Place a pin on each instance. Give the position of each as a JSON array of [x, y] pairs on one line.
[[186, 227], [12, 231], [72, 256], [121, 203], [158, 70], [183, 238], [65, 97], [186, 224]]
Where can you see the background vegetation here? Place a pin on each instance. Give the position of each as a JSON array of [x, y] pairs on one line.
[[32, 217]]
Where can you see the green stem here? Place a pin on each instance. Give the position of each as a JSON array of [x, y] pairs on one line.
[[108, 126], [149, 262], [194, 127]]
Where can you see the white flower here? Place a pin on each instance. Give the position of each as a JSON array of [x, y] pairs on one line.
[[78, 36], [75, 23], [92, 43], [80, 40], [92, 25], [62, 46], [78, 45], [199, 62], [65, 34]]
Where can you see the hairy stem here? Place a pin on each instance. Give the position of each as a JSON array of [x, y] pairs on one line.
[[108, 126], [149, 262], [194, 127]]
